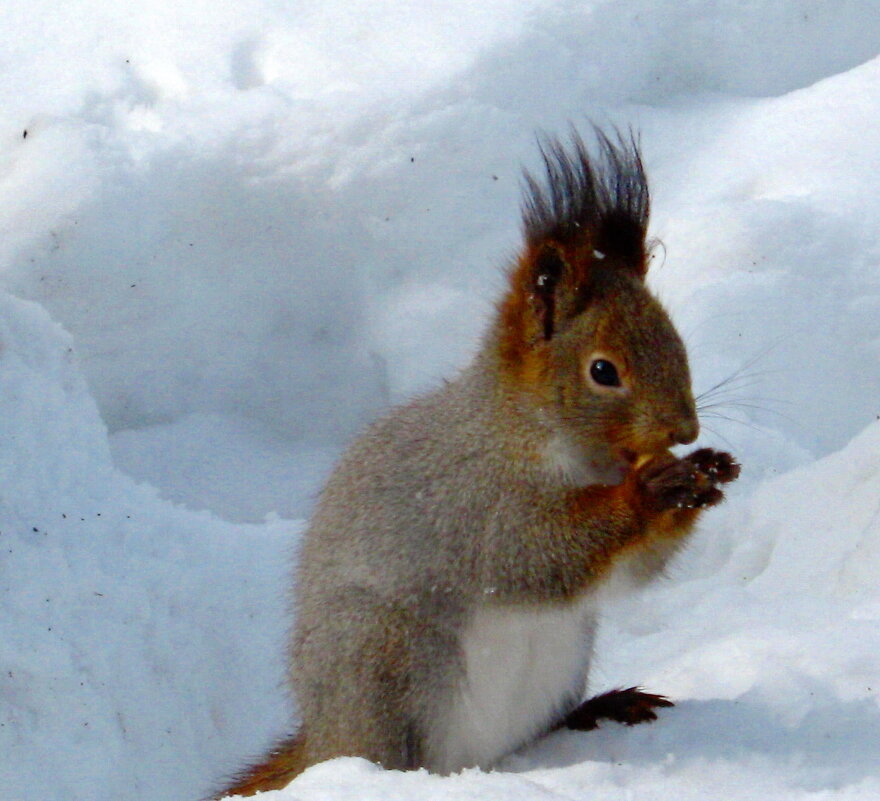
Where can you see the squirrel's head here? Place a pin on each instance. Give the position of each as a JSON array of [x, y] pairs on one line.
[[579, 334]]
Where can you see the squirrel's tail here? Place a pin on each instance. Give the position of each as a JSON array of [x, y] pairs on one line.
[[284, 762]]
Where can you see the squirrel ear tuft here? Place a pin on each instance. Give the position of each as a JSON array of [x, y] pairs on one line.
[[590, 208], [584, 223]]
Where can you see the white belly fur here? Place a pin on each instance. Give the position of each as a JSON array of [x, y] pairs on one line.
[[523, 668]]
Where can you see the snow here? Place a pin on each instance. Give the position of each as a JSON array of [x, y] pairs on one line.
[[234, 232]]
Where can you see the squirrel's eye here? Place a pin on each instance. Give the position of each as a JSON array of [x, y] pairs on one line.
[[604, 373]]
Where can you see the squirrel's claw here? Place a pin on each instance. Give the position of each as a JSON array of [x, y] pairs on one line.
[[719, 466]]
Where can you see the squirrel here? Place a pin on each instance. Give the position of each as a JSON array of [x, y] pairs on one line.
[[445, 595]]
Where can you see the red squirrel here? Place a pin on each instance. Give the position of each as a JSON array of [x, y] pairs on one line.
[[446, 589]]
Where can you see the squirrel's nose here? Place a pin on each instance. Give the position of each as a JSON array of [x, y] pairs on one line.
[[685, 431]]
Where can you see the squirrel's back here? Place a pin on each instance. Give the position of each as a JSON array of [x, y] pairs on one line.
[[412, 497]]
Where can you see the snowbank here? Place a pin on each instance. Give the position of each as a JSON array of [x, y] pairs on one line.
[[236, 231], [137, 636]]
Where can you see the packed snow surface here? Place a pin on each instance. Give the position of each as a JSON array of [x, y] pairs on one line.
[[234, 232]]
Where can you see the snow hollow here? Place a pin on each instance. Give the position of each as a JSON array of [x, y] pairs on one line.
[[234, 232]]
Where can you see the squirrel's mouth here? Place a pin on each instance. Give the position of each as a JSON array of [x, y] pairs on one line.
[[630, 457], [635, 460]]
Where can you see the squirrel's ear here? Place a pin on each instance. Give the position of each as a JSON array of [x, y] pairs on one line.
[[588, 218], [548, 268]]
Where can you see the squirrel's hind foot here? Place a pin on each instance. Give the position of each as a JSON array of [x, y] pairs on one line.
[[628, 706]]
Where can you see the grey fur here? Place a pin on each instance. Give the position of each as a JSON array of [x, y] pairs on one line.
[[441, 508]]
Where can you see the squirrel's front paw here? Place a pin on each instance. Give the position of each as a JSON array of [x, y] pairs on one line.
[[688, 483], [717, 466]]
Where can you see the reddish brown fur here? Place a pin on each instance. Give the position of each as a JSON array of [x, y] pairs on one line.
[[286, 761], [518, 322]]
